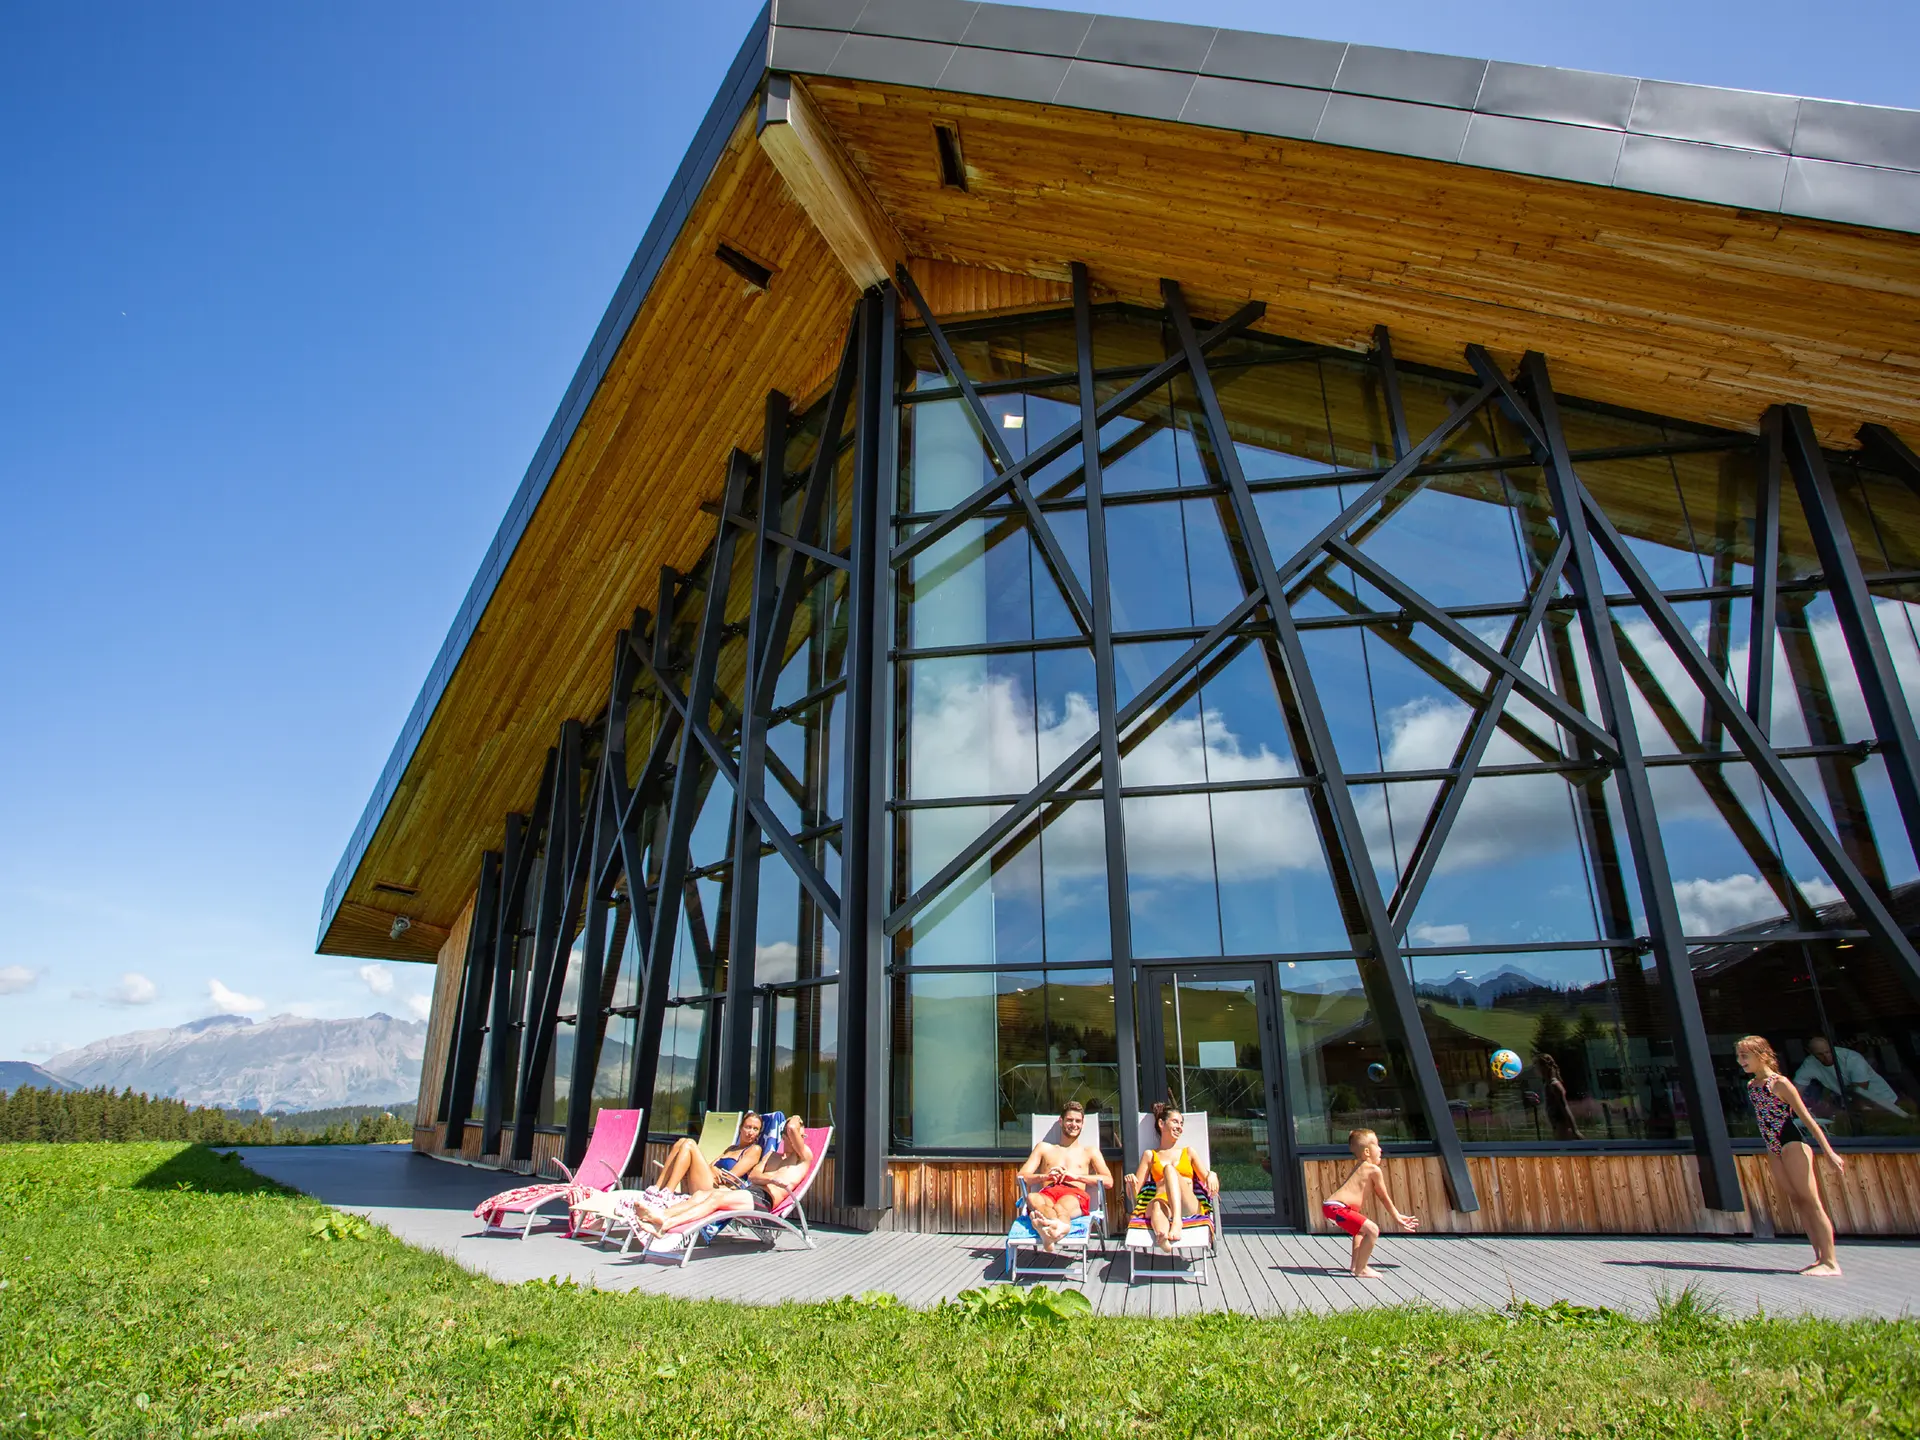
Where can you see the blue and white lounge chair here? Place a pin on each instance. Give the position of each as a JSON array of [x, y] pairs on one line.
[[1021, 1236]]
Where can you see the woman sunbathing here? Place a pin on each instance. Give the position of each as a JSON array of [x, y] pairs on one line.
[[1174, 1171], [687, 1170], [767, 1185]]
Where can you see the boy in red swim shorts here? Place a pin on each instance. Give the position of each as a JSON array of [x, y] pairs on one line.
[[1067, 1167], [1343, 1206]]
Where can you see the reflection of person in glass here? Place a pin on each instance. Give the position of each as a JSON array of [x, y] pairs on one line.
[[1834, 1072], [1775, 1101], [1554, 1094]]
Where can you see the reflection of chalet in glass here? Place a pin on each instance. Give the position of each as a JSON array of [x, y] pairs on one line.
[[1099, 559]]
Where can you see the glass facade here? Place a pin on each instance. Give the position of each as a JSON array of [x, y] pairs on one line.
[[1475, 788]]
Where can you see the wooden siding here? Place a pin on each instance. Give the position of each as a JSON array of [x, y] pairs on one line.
[[1700, 311], [441, 1017], [1627, 1194]]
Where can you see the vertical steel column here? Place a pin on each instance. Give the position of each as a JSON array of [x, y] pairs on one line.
[[1344, 835], [1119, 915], [1763, 619], [1853, 604], [464, 1073], [684, 805], [1719, 1181], [608, 810], [736, 1018], [552, 933], [521, 840], [861, 1094]]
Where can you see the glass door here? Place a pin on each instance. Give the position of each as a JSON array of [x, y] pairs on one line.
[[1209, 1043]]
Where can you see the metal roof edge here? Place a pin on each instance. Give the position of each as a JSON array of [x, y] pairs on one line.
[[709, 141], [1818, 159]]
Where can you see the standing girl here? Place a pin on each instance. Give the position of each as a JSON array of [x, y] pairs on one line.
[[1775, 1101]]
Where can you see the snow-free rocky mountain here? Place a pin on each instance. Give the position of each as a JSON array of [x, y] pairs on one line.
[[286, 1063]]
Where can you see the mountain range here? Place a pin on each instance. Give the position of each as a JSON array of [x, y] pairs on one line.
[[19, 1074], [1484, 990], [285, 1063]]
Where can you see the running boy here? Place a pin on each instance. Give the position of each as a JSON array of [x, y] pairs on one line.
[[1343, 1206]]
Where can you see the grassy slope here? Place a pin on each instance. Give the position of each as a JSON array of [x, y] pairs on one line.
[[155, 1289]]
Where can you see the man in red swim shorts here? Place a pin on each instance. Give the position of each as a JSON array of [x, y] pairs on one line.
[[1067, 1168]]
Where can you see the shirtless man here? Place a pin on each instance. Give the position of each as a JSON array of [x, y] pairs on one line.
[[1343, 1207], [1067, 1168]]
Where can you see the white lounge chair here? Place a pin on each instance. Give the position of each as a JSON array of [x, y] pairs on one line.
[[1022, 1236], [789, 1215], [598, 1215], [1199, 1238]]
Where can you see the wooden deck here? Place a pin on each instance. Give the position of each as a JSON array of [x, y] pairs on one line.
[[428, 1203]]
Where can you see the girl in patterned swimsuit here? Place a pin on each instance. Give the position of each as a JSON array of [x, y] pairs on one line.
[[1775, 1101]]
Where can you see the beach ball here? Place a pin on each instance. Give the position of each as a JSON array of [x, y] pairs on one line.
[[1376, 1072], [1506, 1065]]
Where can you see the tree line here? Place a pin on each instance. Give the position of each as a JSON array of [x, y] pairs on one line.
[[63, 1116]]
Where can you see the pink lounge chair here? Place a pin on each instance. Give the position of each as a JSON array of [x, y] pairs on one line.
[[788, 1215], [615, 1133]]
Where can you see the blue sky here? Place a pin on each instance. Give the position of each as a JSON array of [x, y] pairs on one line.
[[287, 296]]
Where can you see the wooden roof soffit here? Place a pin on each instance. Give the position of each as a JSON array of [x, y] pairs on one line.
[[803, 148]]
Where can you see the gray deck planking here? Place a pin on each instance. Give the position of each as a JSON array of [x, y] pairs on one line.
[[428, 1204]]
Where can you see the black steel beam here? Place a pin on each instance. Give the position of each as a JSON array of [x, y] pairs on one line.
[[1472, 646], [863, 1101], [1893, 452], [1719, 1180], [1869, 909], [1039, 457], [1471, 750], [1853, 606], [776, 832], [1106, 698], [470, 1037], [736, 1017], [523, 840], [1343, 839], [609, 796], [552, 935], [1837, 760], [684, 805], [989, 839], [1764, 613], [1037, 524]]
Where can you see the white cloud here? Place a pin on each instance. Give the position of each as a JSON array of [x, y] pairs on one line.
[[420, 1006], [232, 1002], [44, 1047], [378, 978], [1711, 907], [132, 988], [15, 978], [1425, 934]]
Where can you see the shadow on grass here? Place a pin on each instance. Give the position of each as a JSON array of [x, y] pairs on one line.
[[200, 1171]]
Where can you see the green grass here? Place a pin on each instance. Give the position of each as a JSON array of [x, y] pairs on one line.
[[154, 1289]]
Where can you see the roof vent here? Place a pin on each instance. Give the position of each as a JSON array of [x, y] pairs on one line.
[[953, 166], [747, 268], [388, 887]]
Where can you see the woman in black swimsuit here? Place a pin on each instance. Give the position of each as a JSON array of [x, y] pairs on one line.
[[1775, 1101]]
